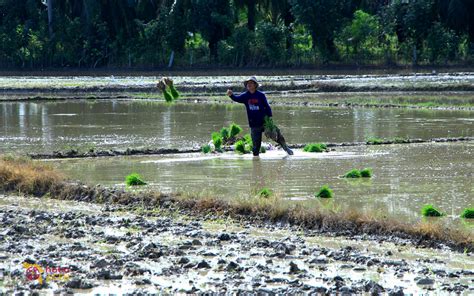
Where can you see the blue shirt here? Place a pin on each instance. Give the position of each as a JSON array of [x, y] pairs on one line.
[[257, 107]]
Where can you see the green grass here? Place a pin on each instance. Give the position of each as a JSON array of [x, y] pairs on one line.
[[234, 129], [206, 149], [134, 180], [265, 192], [325, 192], [374, 141], [430, 211], [366, 173], [315, 147], [468, 213], [355, 173], [240, 147]]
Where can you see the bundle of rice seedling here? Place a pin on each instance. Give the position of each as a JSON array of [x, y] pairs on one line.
[[234, 130], [271, 130], [217, 140], [173, 91]]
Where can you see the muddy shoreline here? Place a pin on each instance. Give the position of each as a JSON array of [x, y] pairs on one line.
[[76, 153], [151, 250]]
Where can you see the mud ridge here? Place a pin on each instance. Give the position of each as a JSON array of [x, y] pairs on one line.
[[74, 153]]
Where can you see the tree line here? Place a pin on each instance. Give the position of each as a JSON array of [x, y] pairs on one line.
[[242, 33]]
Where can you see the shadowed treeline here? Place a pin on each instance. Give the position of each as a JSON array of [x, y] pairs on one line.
[[38, 34]]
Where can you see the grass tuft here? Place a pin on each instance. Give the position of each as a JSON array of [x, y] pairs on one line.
[[468, 213], [325, 192], [315, 147], [134, 180], [430, 211]]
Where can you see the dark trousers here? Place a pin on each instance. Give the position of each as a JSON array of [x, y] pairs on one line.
[[256, 134]]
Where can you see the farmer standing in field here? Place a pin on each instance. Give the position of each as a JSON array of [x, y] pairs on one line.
[[257, 109]]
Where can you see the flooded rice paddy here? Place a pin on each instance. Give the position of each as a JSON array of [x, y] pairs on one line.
[[405, 176], [120, 124], [146, 253]]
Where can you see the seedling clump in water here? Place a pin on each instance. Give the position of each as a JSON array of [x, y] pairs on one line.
[[468, 213], [315, 147], [134, 180], [430, 211], [325, 192]]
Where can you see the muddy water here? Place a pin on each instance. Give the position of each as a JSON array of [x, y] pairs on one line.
[[43, 127], [405, 176]]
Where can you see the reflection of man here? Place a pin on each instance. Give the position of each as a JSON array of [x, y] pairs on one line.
[[257, 109], [258, 181]]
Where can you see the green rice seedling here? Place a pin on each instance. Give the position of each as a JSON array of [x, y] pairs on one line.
[[235, 129], [134, 180], [206, 149], [355, 173], [262, 149], [217, 140], [468, 213], [225, 133], [325, 192], [315, 147], [240, 147], [430, 211], [269, 125], [265, 192], [248, 140], [366, 173], [174, 92], [374, 141], [168, 96]]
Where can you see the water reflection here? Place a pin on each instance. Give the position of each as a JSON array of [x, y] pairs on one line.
[[116, 124]]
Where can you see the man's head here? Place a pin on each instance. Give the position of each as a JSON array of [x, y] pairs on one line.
[[251, 84]]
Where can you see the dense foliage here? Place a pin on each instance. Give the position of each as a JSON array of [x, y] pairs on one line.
[[186, 33]]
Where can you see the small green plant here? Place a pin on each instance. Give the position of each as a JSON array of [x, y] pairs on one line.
[[265, 192], [225, 133], [234, 130], [217, 140], [468, 213], [134, 180], [374, 141], [366, 173], [355, 173], [206, 149], [430, 211], [325, 192], [315, 147], [262, 149], [240, 147]]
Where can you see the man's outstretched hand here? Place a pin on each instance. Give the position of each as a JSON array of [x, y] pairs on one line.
[[229, 92]]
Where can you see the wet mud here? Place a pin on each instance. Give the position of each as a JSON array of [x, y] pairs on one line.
[[114, 248]]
